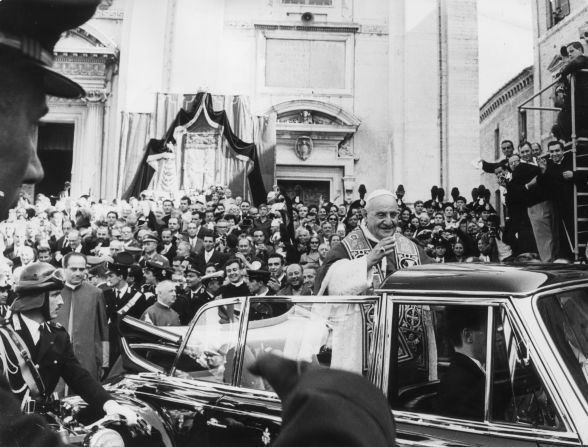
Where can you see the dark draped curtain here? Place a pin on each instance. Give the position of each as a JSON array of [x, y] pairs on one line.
[[145, 172]]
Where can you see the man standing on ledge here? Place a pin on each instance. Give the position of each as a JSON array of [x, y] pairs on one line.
[[370, 252]]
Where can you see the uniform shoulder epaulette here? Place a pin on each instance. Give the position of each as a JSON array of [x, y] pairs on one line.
[[56, 325]]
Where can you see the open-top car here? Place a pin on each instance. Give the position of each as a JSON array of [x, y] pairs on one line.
[[532, 358]]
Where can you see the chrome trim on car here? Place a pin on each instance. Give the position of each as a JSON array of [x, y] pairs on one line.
[[485, 428], [152, 346], [138, 360], [448, 299], [241, 339], [152, 329], [489, 360], [476, 293]]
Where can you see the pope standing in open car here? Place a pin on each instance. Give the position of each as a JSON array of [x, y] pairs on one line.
[[36, 352]]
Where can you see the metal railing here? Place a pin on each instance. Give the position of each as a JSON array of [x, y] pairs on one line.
[[574, 139]]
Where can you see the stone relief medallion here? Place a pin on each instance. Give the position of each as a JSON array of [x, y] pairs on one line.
[[303, 148]]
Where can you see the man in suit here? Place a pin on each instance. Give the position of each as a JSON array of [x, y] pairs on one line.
[[558, 177], [44, 349], [169, 248], [193, 238], [128, 240], [275, 265], [210, 255], [462, 388], [295, 284]]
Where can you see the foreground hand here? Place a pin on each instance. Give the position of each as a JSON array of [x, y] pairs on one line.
[[132, 418], [281, 373]]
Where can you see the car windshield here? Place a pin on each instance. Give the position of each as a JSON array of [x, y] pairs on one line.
[[566, 317]]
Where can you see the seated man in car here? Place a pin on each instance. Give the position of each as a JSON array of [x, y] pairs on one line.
[[461, 389]]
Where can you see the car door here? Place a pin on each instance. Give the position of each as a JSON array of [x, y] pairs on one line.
[[444, 388], [331, 331]]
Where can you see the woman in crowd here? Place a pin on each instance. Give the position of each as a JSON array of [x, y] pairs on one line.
[[312, 255]]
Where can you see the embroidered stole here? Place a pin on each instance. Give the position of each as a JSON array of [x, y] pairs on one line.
[[406, 253]]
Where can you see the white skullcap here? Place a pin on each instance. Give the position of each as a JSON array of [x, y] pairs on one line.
[[378, 193]]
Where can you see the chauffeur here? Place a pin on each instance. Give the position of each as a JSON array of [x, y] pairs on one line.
[[38, 352]]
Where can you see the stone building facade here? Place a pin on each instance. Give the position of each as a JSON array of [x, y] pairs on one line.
[[499, 119], [375, 100], [557, 22]]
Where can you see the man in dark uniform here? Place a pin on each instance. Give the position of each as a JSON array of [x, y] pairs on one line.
[[257, 282], [192, 299], [126, 300], [42, 348]]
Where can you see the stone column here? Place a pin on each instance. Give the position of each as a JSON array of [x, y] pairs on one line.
[[396, 99], [87, 160]]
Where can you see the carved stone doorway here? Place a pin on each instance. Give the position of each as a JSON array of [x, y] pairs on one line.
[[55, 148], [311, 190]]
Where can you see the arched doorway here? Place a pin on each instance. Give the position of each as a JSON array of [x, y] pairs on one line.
[[315, 149]]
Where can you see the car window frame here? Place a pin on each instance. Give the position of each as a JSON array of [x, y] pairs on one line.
[[129, 349], [340, 299], [202, 310], [241, 339], [571, 383], [486, 427]]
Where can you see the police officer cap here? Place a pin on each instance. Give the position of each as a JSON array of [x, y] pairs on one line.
[[121, 263], [98, 265], [151, 238], [258, 275], [36, 279], [216, 275], [29, 30], [193, 269], [159, 269]]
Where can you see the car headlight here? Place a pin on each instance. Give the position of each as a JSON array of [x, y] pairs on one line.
[[104, 437]]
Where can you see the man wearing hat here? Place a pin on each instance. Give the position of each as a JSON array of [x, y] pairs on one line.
[[42, 348], [150, 243], [127, 300], [154, 271], [29, 30], [193, 298], [212, 283], [257, 282], [370, 252]]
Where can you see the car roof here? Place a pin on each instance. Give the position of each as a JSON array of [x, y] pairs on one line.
[[480, 279]]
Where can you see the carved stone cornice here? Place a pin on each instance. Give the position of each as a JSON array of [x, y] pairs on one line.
[[87, 68], [95, 96], [109, 14], [323, 27]]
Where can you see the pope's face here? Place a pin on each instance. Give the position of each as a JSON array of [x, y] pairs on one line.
[[382, 216], [21, 107]]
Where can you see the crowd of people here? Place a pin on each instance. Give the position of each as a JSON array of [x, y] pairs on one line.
[[160, 258]]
